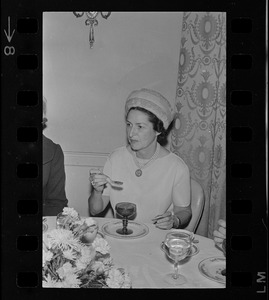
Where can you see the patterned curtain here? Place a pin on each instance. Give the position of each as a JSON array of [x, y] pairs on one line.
[[199, 133]]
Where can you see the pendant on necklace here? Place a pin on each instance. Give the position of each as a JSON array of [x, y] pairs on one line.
[[138, 172]]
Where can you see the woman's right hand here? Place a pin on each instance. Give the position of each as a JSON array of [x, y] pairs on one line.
[[98, 180], [220, 234]]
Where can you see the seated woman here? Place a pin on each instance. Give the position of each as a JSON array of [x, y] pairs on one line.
[[54, 198], [153, 178]]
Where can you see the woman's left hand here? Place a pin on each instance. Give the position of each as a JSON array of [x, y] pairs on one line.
[[164, 221], [220, 234]]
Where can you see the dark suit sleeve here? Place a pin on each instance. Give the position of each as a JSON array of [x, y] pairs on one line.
[[56, 198]]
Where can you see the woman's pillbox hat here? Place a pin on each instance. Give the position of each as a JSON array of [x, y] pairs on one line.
[[153, 102]]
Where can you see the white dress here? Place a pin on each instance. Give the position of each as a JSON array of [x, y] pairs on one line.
[[164, 182]]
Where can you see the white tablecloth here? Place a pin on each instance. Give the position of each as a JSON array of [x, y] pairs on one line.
[[147, 263]]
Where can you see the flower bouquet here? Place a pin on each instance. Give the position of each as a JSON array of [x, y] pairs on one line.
[[76, 256]]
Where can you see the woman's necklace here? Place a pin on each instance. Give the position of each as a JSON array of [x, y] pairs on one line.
[[138, 172]]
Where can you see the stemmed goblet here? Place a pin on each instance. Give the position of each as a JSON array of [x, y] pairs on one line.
[[179, 247], [125, 211]]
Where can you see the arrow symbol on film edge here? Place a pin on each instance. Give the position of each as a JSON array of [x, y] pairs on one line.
[[9, 37]]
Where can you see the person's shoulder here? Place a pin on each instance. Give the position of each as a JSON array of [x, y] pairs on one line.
[[47, 142], [118, 153], [177, 160], [49, 149], [119, 150]]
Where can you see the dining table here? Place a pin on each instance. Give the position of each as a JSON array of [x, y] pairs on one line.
[[146, 262]]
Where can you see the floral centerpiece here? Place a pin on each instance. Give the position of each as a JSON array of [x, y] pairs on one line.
[[76, 256]]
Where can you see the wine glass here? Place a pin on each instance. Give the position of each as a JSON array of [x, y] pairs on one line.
[[125, 211], [178, 245]]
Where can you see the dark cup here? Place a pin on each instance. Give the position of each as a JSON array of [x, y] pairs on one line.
[[125, 210]]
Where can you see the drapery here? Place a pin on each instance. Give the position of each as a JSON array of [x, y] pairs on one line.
[[199, 133]]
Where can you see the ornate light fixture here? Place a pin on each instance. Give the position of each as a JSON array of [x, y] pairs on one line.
[[91, 20]]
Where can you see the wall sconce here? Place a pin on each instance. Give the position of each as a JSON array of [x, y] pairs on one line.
[[91, 20]]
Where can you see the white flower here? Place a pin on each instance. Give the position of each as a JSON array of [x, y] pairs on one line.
[[51, 283], [98, 267], [71, 212], [65, 270], [81, 264], [114, 279], [87, 255], [101, 245], [126, 281], [118, 279], [62, 239], [69, 254], [68, 276], [90, 221], [78, 222], [108, 261], [71, 281], [47, 256]]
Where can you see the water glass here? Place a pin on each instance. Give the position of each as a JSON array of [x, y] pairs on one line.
[[61, 221], [178, 245]]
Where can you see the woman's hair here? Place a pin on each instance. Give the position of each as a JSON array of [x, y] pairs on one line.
[[157, 125]]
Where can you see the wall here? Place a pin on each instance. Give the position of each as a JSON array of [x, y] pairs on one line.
[[86, 88]]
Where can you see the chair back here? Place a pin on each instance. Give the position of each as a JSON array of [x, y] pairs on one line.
[[197, 205]]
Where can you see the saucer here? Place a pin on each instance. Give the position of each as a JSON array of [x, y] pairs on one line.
[[212, 268], [138, 230]]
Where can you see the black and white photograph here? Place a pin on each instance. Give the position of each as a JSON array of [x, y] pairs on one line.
[[134, 150]]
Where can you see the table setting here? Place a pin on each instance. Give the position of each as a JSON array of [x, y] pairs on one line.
[[83, 252]]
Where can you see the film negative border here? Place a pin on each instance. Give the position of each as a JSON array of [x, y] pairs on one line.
[[245, 136], [21, 184], [21, 151]]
